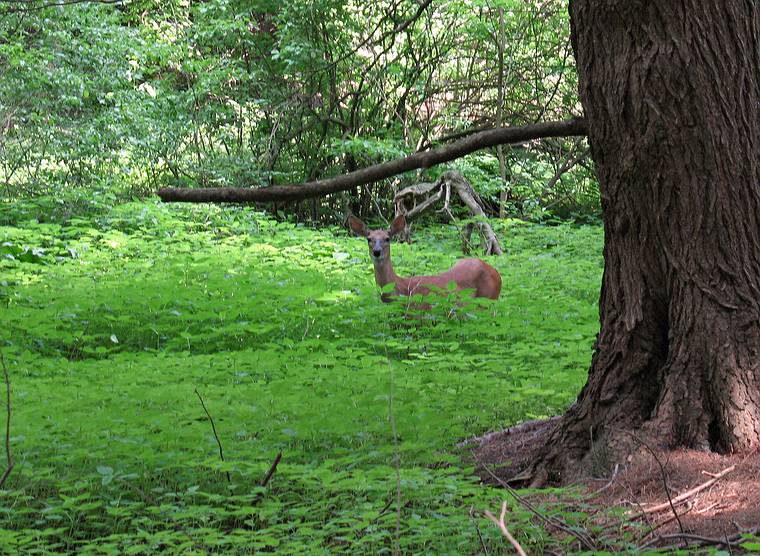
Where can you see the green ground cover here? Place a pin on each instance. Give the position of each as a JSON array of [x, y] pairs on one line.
[[112, 320]]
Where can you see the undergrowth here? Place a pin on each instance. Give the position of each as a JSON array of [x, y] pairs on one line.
[[112, 319]]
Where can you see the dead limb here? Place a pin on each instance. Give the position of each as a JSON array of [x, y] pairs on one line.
[[480, 535], [693, 540], [689, 493], [582, 537], [216, 436], [609, 483], [371, 174], [8, 412], [272, 469], [664, 476], [415, 199], [503, 528]]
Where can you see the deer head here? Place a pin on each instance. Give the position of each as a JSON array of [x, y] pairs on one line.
[[378, 241]]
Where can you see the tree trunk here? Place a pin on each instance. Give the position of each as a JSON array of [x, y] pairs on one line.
[[671, 96]]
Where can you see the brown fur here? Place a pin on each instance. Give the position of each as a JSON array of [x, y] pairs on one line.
[[468, 274]]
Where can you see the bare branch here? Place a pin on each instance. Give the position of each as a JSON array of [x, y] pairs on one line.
[[664, 477], [503, 528], [700, 540], [426, 159], [216, 436], [689, 493], [272, 469], [585, 540], [9, 457]]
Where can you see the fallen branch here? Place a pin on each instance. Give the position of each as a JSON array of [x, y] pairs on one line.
[[609, 483], [689, 493], [585, 540], [8, 455], [413, 200], [503, 528], [216, 436], [272, 469], [735, 541], [483, 546], [663, 474], [426, 159]]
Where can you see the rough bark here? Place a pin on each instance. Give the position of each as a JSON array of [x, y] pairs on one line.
[[426, 159], [671, 96]]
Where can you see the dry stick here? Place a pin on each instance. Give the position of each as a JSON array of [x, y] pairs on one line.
[[700, 540], [8, 455], [609, 484], [396, 464], [503, 527], [216, 436], [583, 538], [707, 509], [272, 469], [653, 527], [695, 490], [689, 493], [664, 476], [480, 535]]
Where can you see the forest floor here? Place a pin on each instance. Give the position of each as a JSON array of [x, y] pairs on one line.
[[715, 496]]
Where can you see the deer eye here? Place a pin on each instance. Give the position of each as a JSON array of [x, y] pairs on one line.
[[387, 240], [369, 240]]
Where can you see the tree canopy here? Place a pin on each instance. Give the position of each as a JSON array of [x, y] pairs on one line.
[[138, 96]]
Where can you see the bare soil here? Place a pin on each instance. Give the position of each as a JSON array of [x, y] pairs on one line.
[[729, 506]]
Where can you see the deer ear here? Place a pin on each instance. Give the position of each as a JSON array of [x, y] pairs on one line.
[[398, 225], [357, 226]]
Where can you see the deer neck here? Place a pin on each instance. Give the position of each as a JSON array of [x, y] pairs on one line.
[[384, 273]]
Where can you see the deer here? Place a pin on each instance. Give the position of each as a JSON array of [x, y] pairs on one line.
[[468, 274]]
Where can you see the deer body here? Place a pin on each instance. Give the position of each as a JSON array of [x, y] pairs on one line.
[[467, 274]]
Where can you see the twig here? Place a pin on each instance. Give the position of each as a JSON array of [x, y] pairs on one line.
[[664, 476], [216, 436], [707, 509], [377, 207], [272, 469], [661, 524], [609, 484], [700, 540], [503, 527], [689, 493], [9, 457], [480, 535], [396, 464], [582, 537], [730, 548]]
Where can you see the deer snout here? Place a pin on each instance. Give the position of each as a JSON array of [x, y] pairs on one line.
[[376, 253]]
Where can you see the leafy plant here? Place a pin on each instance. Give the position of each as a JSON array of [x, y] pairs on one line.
[[282, 330]]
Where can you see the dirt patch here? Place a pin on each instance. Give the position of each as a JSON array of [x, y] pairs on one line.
[[509, 452], [725, 507]]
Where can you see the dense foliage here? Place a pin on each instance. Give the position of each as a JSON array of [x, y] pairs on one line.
[[120, 315], [112, 320], [126, 98]]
